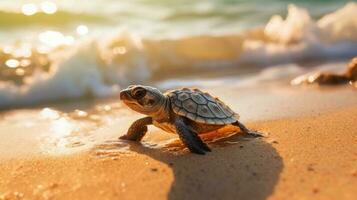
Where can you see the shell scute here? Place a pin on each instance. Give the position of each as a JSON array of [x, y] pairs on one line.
[[189, 106], [204, 111], [216, 110], [227, 111], [208, 97], [183, 96], [178, 103], [198, 98]]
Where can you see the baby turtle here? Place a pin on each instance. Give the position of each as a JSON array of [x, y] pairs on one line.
[[187, 112]]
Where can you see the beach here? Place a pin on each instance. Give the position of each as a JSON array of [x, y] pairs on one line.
[[286, 69], [308, 151]]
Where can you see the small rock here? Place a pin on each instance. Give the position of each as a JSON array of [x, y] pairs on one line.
[[53, 185], [273, 141], [153, 169], [310, 168], [315, 190]]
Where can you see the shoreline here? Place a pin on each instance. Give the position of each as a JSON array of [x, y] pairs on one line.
[[64, 129]]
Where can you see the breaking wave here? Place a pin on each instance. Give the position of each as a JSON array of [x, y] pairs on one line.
[[100, 67]]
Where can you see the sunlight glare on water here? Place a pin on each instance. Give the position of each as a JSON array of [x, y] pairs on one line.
[[82, 30], [12, 63], [119, 50], [55, 38], [29, 9], [61, 127], [48, 7], [25, 62], [61, 130]]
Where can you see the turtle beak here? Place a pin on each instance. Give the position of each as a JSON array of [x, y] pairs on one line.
[[124, 94]]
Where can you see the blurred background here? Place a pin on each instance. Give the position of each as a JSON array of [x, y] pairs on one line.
[[64, 49], [26, 20]]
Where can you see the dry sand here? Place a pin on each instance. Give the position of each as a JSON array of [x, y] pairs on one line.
[[310, 155]]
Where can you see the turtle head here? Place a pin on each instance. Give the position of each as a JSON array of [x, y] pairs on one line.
[[143, 99]]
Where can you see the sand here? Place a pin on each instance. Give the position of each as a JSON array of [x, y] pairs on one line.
[[309, 152]]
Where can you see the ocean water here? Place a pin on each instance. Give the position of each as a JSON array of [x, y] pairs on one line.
[[153, 18], [53, 50]]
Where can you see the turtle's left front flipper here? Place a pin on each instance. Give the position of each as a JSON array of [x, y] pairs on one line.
[[138, 129], [246, 130], [190, 138]]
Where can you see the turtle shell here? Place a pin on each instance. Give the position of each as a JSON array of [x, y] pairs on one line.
[[201, 107]]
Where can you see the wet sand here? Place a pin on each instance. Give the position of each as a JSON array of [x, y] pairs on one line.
[[309, 153]]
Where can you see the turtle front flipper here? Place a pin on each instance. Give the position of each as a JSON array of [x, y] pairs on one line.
[[138, 129], [246, 131], [190, 137]]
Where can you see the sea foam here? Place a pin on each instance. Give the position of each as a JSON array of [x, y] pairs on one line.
[[100, 67]]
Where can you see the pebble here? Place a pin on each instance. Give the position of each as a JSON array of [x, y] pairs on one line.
[[315, 190], [53, 185], [310, 168], [154, 169]]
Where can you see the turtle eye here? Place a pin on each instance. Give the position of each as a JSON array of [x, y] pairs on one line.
[[138, 93]]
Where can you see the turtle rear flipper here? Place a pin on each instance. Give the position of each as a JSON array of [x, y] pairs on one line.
[[190, 138], [246, 131]]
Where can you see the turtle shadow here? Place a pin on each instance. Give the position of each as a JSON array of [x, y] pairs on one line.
[[243, 169]]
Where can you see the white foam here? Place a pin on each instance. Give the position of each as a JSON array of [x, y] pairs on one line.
[[299, 37], [77, 75], [100, 71]]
